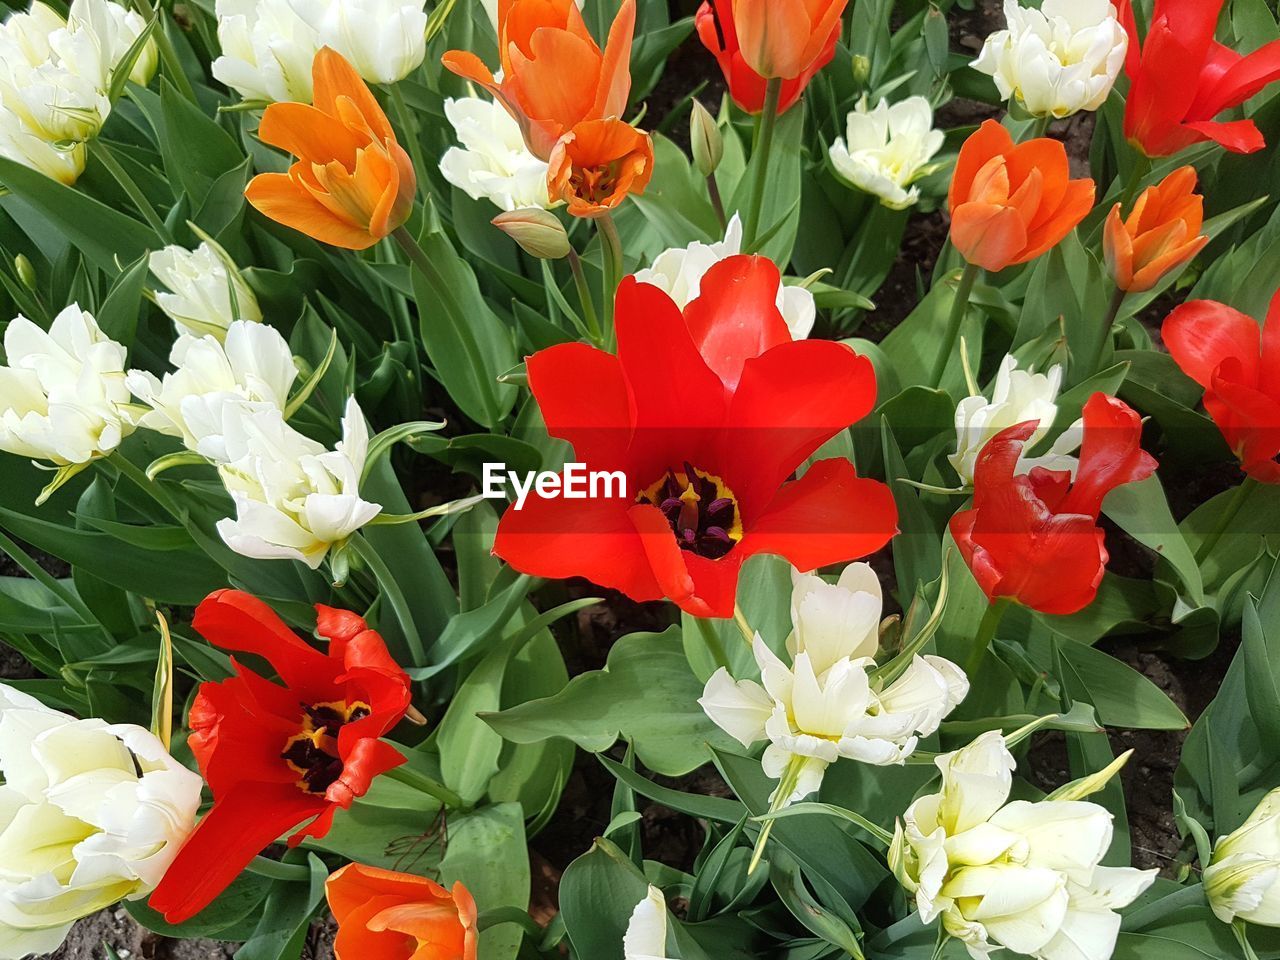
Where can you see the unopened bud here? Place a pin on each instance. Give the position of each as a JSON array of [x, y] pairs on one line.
[[539, 233], [26, 272], [705, 140], [861, 70]]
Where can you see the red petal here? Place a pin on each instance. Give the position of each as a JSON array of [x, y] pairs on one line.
[[234, 620], [735, 316], [702, 587], [1245, 77], [1110, 456], [583, 398], [1201, 334], [1238, 136]]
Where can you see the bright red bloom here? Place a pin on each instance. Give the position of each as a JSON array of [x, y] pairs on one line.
[[706, 415], [1036, 538], [1182, 79], [277, 757], [719, 34], [1238, 365]]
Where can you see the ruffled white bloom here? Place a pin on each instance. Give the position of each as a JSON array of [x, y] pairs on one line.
[[61, 162], [63, 394], [207, 291], [1020, 875], [678, 272], [1019, 396], [646, 936], [90, 813], [385, 40], [493, 162], [294, 499], [213, 382], [887, 149], [827, 705], [267, 50], [113, 29], [1058, 60], [1243, 878]]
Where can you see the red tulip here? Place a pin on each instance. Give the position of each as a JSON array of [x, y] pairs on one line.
[[1182, 79], [706, 415], [1036, 538], [720, 34], [279, 756], [1238, 365]]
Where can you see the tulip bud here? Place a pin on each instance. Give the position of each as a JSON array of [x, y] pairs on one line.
[[26, 272], [538, 232], [861, 70], [1243, 878], [705, 140]]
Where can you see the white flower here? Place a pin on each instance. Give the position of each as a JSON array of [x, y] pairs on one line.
[[267, 50], [493, 162], [1243, 878], [113, 29], [90, 813], [1020, 396], [62, 394], [1020, 875], [646, 936], [678, 272], [294, 499], [208, 292], [826, 705], [888, 149], [61, 162], [1058, 60], [384, 40], [212, 382]]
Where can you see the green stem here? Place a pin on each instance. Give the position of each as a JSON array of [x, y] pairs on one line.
[[399, 605], [1141, 168], [275, 870], [1233, 510], [986, 633], [958, 307], [420, 781], [108, 159], [1039, 128], [1242, 938], [409, 130], [786, 787], [717, 202], [611, 251], [763, 146], [1113, 311], [584, 297]]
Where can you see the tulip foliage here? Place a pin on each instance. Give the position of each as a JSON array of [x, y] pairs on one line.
[[630, 480]]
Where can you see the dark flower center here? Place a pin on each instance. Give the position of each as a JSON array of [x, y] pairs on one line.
[[594, 184], [313, 753], [702, 511]]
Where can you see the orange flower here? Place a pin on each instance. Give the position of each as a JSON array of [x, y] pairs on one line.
[[1012, 202], [353, 183], [1161, 234], [384, 915], [554, 74], [597, 164], [784, 39]]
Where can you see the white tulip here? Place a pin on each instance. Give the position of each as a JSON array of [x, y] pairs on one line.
[[493, 162], [1019, 875], [384, 40], [1019, 396], [114, 29], [267, 50], [252, 369], [294, 499], [54, 102], [887, 149], [90, 813], [1058, 60], [646, 936], [678, 272], [1243, 877], [63, 394], [61, 162], [207, 291], [826, 704]]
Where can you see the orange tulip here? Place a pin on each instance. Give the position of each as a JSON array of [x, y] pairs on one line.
[[597, 164], [1161, 233], [384, 915], [784, 38], [1012, 202], [554, 74], [353, 183]]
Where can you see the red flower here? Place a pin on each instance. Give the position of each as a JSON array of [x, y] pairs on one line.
[[1239, 367], [716, 30], [1182, 79], [706, 416], [277, 757], [1036, 538]]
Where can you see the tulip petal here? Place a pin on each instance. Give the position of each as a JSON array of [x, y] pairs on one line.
[[745, 288], [584, 401], [278, 197], [1201, 334], [234, 620]]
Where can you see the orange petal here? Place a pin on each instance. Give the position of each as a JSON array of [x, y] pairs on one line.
[[334, 77], [277, 196], [614, 81], [304, 131], [988, 235], [990, 140], [1118, 249]]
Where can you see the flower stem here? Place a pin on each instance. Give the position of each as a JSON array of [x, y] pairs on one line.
[[409, 130], [717, 202], [611, 250], [1113, 311], [986, 633], [584, 297], [1141, 167], [420, 781], [399, 605], [958, 307], [1238, 499], [1242, 938], [781, 796], [108, 159], [768, 122]]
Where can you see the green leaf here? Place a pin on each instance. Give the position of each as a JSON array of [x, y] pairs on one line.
[[1142, 511], [487, 855], [196, 150], [286, 917], [1121, 696]]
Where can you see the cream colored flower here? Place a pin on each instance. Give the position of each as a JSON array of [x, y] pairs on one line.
[[1243, 877], [493, 162], [267, 50], [385, 40], [646, 936], [885, 150], [206, 291]]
